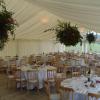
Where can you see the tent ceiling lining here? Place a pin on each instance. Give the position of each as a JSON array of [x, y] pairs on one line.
[[28, 13]]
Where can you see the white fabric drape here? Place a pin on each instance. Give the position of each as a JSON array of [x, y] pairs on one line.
[[28, 47], [29, 17], [29, 13], [82, 12]]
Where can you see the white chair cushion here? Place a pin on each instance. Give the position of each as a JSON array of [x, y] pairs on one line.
[[32, 81], [55, 97], [10, 76], [20, 79]]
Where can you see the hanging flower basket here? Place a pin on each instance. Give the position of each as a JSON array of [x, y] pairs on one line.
[[67, 34], [91, 38], [7, 24]]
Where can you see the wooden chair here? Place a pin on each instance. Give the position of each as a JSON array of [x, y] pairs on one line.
[[32, 78], [58, 84], [68, 72], [91, 96], [61, 69], [23, 61], [83, 70], [54, 96], [51, 74], [20, 79], [75, 74], [69, 91], [10, 78], [2, 66], [12, 63], [60, 75], [97, 70]]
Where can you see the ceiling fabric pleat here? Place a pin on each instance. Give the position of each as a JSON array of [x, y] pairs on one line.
[[30, 13], [29, 16], [81, 12]]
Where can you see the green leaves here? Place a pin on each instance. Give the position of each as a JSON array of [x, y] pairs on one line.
[[67, 34], [7, 24], [90, 38]]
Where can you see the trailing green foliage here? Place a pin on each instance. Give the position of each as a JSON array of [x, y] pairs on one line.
[[66, 34], [91, 38], [7, 24]]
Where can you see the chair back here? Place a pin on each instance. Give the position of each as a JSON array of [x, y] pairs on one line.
[[75, 74], [58, 83], [91, 96], [32, 74], [12, 63], [70, 92], [23, 61], [61, 69], [51, 73], [47, 88], [18, 74]]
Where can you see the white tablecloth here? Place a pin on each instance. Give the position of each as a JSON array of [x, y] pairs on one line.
[[42, 74], [78, 84]]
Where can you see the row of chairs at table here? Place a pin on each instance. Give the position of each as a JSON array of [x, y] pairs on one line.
[[59, 94], [34, 80], [51, 74], [73, 71], [61, 90], [27, 78], [16, 77]]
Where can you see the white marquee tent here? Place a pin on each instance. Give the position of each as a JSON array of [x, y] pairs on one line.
[[34, 16]]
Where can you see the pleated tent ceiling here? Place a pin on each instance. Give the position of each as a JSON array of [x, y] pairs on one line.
[[29, 14], [82, 12], [31, 20]]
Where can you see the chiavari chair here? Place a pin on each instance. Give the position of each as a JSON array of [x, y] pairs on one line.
[[10, 78], [92, 96], [20, 78], [69, 91], [32, 78], [51, 74], [75, 72], [51, 96]]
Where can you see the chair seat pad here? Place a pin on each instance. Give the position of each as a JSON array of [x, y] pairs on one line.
[[32, 81], [10, 76], [51, 80], [18, 79], [55, 96]]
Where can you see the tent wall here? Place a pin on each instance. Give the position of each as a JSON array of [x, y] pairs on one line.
[[28, 47], [51, 46], [9, 49]]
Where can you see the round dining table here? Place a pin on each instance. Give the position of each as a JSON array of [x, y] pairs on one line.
[[42, 74], [82, 87]]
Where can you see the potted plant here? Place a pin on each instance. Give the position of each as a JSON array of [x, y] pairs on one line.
[[7, 24], [66, 33], [91, 38]]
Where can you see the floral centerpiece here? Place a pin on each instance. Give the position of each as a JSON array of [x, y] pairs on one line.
[[7, 24]]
